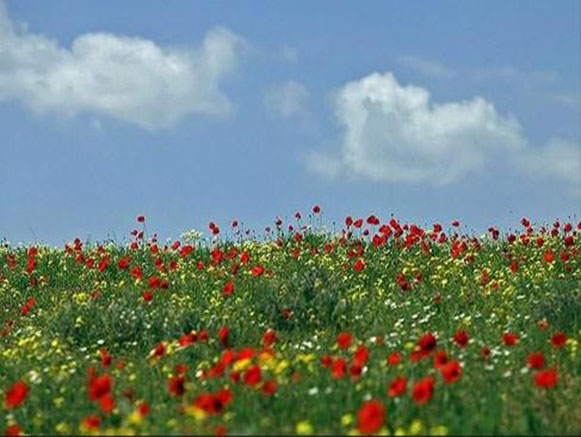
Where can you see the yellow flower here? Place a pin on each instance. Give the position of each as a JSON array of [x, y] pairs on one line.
[[416, 427], [439, 430], [62, 428], [241, 364], [347, 419], [304, 427]]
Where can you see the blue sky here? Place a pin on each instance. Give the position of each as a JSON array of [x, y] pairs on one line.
[[189, 112]]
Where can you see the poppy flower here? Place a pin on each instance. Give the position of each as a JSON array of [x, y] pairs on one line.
[[559, 339], [440, 359], [252, 376], [355, 371], [370, 417], [359, 265], [326, 360], [258, 270], [143, 409], [485, 352], [546, 378], [461, 338], [427, 343], [509, 339], [100, 386], [147, 296], [344, 340], [141, 219], [159, 350], [549, 256], [361, 355], [269, 337], [394, 358], [316, 209], [12, 430], [223, 335], [16, 394], [92, 422], [176, 385], [423, 390], [451, 371], [107, 403], [228, 288], [397, 386], [269, 387], [338, 368], [536, 360]]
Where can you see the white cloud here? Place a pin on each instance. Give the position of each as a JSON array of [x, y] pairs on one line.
[[426, 66], [128, 78], [394, 133], [286, 100], [289, 54], [559, 159]]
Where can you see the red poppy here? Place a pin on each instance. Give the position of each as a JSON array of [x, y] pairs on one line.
[[269, 387], [338, 368], [451, 371], [159, 350], [92, 422], [147, 296], [326, 360], [546, 378], [100, 386], [427, 343], [344, 340], [361, 355], [258, 270], [485, 352], [549, 256], [370, 417], [12, 430], [141, 219], [316, 209], [228, 288], [423, 390], [394, 358], [252, 376], [461, 338], [16, 394], [223, 335], [176, 385], [440, 359], [559, 339], [397, 386], [536, 360], [359, 265], [269, 337], [143, 409], [509, 339], [220, 430], [107, 403]]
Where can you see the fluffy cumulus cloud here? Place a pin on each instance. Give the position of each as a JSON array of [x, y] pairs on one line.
[[286, 100], [394, 133], [127, 78]]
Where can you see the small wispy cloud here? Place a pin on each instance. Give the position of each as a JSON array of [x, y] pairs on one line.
[[426, 67], [286, 100]]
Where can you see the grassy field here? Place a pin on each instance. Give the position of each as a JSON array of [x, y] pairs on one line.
[[380, 327]]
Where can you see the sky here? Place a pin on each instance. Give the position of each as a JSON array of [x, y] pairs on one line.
[[187, 112]]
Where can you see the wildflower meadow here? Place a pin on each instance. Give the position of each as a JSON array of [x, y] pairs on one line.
[[370, 326]]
